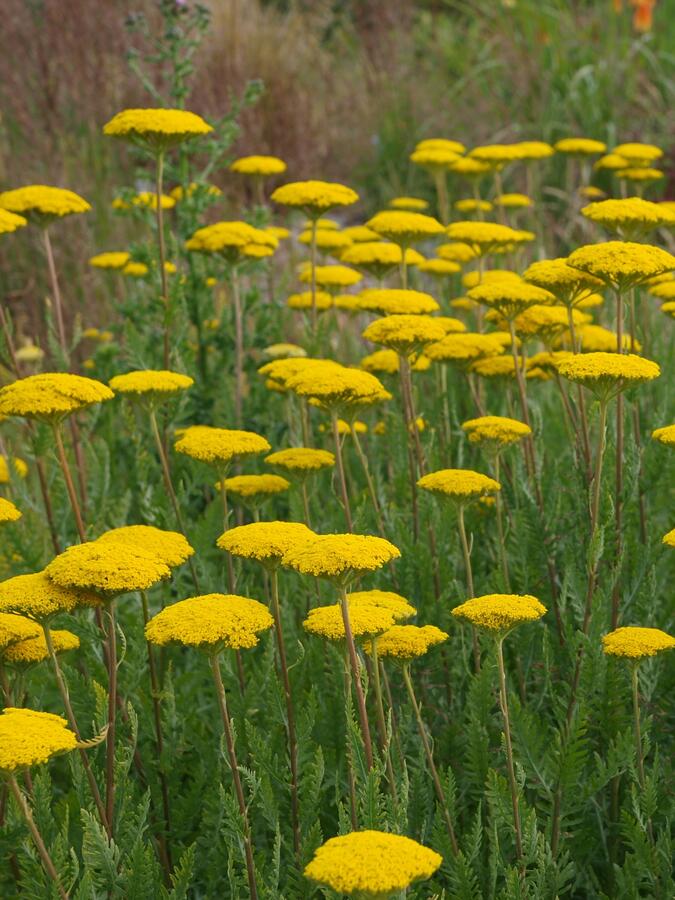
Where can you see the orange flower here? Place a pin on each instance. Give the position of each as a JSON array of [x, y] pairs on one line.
[[643, 15]]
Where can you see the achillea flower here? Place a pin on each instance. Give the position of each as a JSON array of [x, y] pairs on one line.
[[456, 251], [591, 192], [580, 146], [379, 257], [156, 129], [37, 597], [29, 353], [34, 650], [630, 217], [471, 204], [665, 435], [339, 388], [256, 488], [301, 461], [371, 864], [349, 303], [638, 154], [314, 197], [366, 620], [9, 221], [170, 546], [568, 285], [15, 628], [635, 643], [395, 604], [323, 224], [500, 612], [219, 446], [144, 200], [495, 431], [51, 396], [607, 374], [612, 162], [30, 738], [669, 308], [211, 622], [595, 338], [441, 144], [265, 542], [277, 231], [360, 234], [640, 174], [322, 299], [386, 362], [284, 351], [495, 154], [151, 384], [332, 276], [396, 301], [459, 485], [404, 334], [669, 539], [231, 239], [107, 567], [434, 159], [114, 259], [135, 270], [530, 150], [472, 168], [8, 512], [280, 370], [510, 298], [341, 558], [484, 237], [410, 204], [332, 242], [450, 324], [16, 468], [545, 322], [504, 367], [180, 193], [664, 291], [512, 201], [489, 276], [440, 268], [42, 203], [463, 349], [404, 643], [403, 227], [622, 264], [258, 165]]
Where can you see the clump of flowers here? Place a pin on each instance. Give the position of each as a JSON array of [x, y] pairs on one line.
[[396, 301], [498, 431], [219, 446], [314, 197], [31, 738], [51, 396], [404, 643], [38, 597], [211, 622], [636, 643], [43, 203], [460, 485], [500, 612], [156, 129]]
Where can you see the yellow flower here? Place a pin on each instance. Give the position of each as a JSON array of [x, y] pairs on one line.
[[630, 217], [441, 144], [509, 297], [592, 338], [360, 234], [612, 162], [211, 622], [8, 512], [459, 485], [322, 299], [395, 604], [366, 620], [219, 446], [379, 257], [333, 243], [14, 628], [471, 168], [533, 150], [332, 276], [637, 154], [255, 488], [51, 396], [607, 374], [277, 231], [43, 203], [135, 270], [471, 204], [669, 308], [512, 201], [435, 159], [489, 276], [407, 642], [591, 192], [404, 227], [232, 240], [497, 431], [411, 204], [144, 200], [568, 285], [544, 322], [171, 547], [486, 237], [314, 197], [580, 146], [111, 260], [664, 291], [284, 351], [371, 864], [265, 542], [669, 539], [456, 251], [258, 165], [503, 367], [107, 567], [395, 301], [349, 303], [386, 362], [280, 370], [640, 174], [636, 643], [29, 353], [665, 435], [323, 224], [38, 597], [337, 387], [19, 469], [500, 612], [496, 154], [622, 264], [9, 221], [34, 650], [156, 129], [30, 738], [301, 461], [463, 349], [441, 268], [404, 334], [155, 384], [341, 557]]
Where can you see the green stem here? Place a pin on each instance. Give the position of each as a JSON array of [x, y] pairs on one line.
[[164, 280], [381, 720], [70, 487], [504, 705], [356, 679], [369, 481], [341, 471], [112, 708], [238, 348]]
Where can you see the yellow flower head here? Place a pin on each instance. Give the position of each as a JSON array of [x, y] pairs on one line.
[[669, 539], [34, 650], [495, 431], [284, 351], [510, 297], [153, 384], [544, 322], [607, 374], [404, 227], [233, 240], [111, 260], [322, 300], [503, 367], [404, 643], [500, 612], [338, 388], [51, 396], [341, 557], [611, 162], [15, 628], [631, 642], [171, 547], [530, 150], [404, 334], [580, 146], [512, 201], [459, 485], [664, 291], [637, 154], [386, 362], [301, 461], [9, 221], [593, 338], [631, 217], [411, 204], [439, 268], [43, 203], [395, 604], [219, 446], [366, 621], [371, 864], [456, 251], [349, 303], [144, 200], [489, 276], [463, 349], [379, 257], [314, 197], [397, 302], [485, 237], [567, 284], [360, 234], [107, 567], [135, 270], [332, 276], [622, 264], [496, 154], [435, 159], [665, 435], [333, 243], [280, 370], [17, 468], [8, 512], [156, 129], [471, 204], [29, 353], [467, 167], [441, 144], [38, 597], [30, 738], [258, 165], [255, 488], [266, 542], [211, 622]]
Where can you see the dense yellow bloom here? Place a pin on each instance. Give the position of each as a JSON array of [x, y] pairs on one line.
[[471, 168], [580, 146], [485, 237], [510, 298], [314, 197], [29, 353], [669, 308], [38, 597], [284, 351], [135, 269], [498, 154], [504, 367], [231, 239], [395, 604], [144, 200], [497, 431], [471, 204], [110, 260], [349, 303], [256, 487], [211, 622], [323, 224], [301, 461], [386, 362], [219, 446], [664, 291], [29, 738], [462, 349], [441, 144], [366, 620], [404, 227], [512, 201], [591, 192], [332, 276], [258, 165], [636, 643], [338, 387], [154, 383], [170, 546], [264, 541], [303, 300], [639, 154], [568, 285], [500, 612], [371, 864], [18, 469], [8, 512], [640, 174], [489, 276], [404, 334], [42, 202], [9, 221], [34, 650], [397, 302], [156, 129], [341, 557], [456, 251], [359, 234], [612, 162], [328, 241], [441, 268], [411, 204], [528, 150], [407, 642], [544, 322], [379, 257], [665, 435], [608, 373], [548, 360], [15, 628], [595, 338], [180, 193], [281, 370], [108, 567], [434, 158], [631, 216], [622, 264], [460, 485], [51, 396]]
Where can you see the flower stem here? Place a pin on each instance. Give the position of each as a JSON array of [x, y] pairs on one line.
[[369, 481], [70, 487], [381, 720], [238, 348], [504, 704], [356, 679], [112, 708], [639, 755], [500, 529], [466, 551], [341, 471], [58, 305], [164, 280]]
